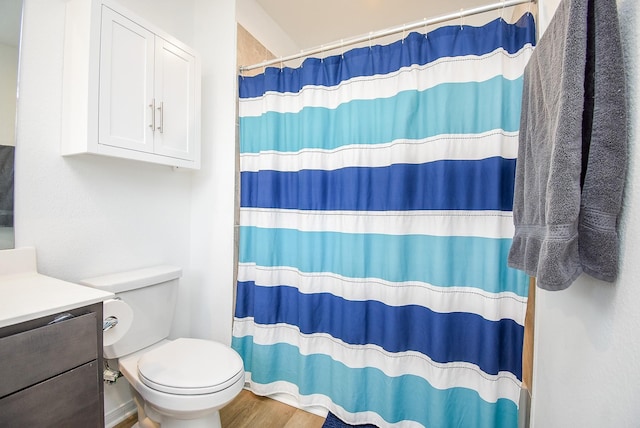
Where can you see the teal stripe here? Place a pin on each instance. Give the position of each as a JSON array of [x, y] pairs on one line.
[[406, 397], [443, 261], [450, 108]]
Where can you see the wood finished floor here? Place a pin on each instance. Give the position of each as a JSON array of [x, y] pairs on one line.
[[252, 411]]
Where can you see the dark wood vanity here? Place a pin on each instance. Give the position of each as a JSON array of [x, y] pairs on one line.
[[51, 371]]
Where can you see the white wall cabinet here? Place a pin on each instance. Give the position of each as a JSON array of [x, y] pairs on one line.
[[129, 89]]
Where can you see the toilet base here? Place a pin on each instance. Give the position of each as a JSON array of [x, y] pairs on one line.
[[211, 420]]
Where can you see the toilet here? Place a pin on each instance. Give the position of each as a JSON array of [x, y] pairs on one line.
[[175, 383]]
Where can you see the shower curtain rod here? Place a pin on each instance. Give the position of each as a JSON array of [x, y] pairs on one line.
[[388, 32]]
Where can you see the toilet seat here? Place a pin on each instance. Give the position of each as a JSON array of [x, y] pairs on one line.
[[190, 367]]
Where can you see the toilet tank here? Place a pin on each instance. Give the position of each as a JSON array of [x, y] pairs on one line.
[[151, 293]]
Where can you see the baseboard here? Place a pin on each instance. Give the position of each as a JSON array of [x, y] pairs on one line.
[[118, 415], [524, 408]]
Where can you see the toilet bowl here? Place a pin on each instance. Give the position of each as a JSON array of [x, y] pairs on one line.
[[185, 381], [175, 383]]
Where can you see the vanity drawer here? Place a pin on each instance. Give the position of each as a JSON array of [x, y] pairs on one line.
[[38, 354], [68, 400]]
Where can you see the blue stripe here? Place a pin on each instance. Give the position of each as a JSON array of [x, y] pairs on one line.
[[443, 337], [443, 42], [445, 261], [448, 108], [395, 399], [485, 184]]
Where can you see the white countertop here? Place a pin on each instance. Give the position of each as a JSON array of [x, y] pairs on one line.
[[30, 296], [25, 294]]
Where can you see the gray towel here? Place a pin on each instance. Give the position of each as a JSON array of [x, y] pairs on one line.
[[573, 149], [6, 185]]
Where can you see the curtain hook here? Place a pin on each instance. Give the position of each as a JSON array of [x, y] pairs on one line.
[[403, 30], [426, 29], [321, 54], [370, 34], [502, 11], [461, 18], [530, 7], [342, 48], [281, 65]]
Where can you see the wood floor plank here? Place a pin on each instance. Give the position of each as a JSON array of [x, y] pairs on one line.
[[129, 422], [304, 419], [248, 410], [239, 409], [269, 414]]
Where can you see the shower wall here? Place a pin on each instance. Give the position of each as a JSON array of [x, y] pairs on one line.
[[587, 342], [251, 51]]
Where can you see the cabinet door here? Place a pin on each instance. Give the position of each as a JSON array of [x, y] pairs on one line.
[[175, 101], [126, 107], [34, 355], [71, 399]]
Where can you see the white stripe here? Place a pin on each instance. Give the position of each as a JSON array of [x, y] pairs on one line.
[[491, 306], [441, 376], [470, 68], [441, 147], [484, 224]]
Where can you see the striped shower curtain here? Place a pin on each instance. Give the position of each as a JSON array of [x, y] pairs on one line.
[[375, 222]]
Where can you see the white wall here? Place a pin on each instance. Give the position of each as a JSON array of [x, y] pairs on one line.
[[213, 194], [261, 26], [587, 338], [8, 75], [546, 9], [88, 216]]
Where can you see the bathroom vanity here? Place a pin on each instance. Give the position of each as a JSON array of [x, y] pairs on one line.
[[50, 348]]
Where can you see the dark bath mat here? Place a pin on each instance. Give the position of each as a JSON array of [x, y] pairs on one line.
[[332, 421]]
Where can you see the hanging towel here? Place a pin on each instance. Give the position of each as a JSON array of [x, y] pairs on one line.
[[6, 185], [572, 151]]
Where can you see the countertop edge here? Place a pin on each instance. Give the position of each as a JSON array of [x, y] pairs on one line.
[[30, 296]]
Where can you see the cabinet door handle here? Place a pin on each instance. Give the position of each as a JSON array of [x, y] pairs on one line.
[[161, 108], [60, 318], [152, 106]]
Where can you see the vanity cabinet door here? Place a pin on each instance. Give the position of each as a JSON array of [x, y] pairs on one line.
[[126, 107], [71, 399], [38, 354]]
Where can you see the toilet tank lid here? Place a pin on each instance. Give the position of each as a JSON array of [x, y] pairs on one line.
[[130, 280]]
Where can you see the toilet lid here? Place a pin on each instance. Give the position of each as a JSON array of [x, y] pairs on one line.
[[190, 366]]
